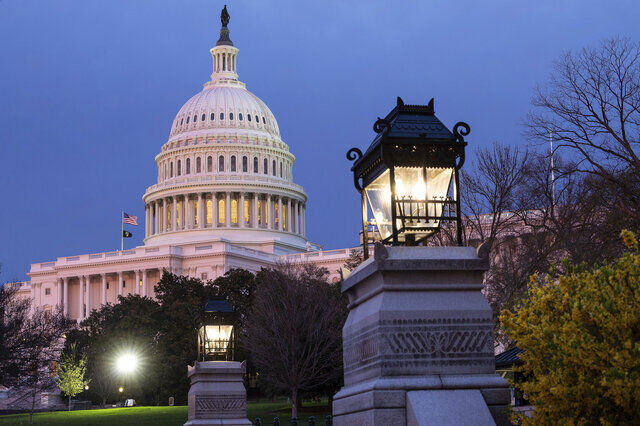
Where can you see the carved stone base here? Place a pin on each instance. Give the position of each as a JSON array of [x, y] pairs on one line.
[[217, 395], [418, 323]]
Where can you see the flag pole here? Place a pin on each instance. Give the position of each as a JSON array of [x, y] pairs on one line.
[[121, 230]]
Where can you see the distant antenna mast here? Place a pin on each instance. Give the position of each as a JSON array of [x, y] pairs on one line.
[[553, 178]]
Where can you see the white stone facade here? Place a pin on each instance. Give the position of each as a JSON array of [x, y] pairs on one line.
[[225, 198]]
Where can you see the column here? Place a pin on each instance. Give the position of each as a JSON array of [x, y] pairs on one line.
[[156, 219], [103, 298], [227, 208], [268, 215], [160, 213], [296, 212], [241, 207], [187, 213], [120, 284], [173, 213], [254, 219], [144, 283], [88, 303], [202, 216], [59, 280], [289, 210], [81, 298], [146, 220], [137, 282], [65, 308], [304, 220], [280, 208]]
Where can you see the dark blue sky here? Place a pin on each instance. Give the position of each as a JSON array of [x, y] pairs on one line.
[[88, 91]]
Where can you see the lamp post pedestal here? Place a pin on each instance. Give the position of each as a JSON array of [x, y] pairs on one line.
[[217, 395], [418, 341]]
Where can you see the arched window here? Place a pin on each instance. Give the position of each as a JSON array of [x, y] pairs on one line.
[[233, 163], [224, 63], [281, 169], [240, 116], [245, 165], [263, 120], [195, 118], [273, 167], [203, 117], [247, 212], [265, 168], [188, 120], [249, 117], [188, 166], [222, 116], [230, 116], [209, 164], [213, 116], [198, 165], [255, 164], [209, 211], [234, 211], [257, 120], [171, 167], [221, 164], [179, 167], [181, 121]]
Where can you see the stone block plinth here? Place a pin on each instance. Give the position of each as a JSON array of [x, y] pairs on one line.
[[419, 331], [217, 395]]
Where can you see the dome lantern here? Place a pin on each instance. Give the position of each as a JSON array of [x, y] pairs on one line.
[[224, 54]]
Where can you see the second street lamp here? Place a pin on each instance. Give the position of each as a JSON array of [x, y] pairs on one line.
[[215, 331], [408, 177]]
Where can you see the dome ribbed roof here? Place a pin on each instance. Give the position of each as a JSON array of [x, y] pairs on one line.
[[224, 107]]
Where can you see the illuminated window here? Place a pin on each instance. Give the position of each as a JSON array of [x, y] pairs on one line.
[[265, 166], [276, 216], [169, 208], [209, 164], [234, 211], [178, 205], [247, 211], [198, 165], [209, 211], [221, 164], [284, 217], [188, 166], [233, 163], [179, 167], [259, 213], [255, 164], [245, 165], [196, 211], [221, 218]]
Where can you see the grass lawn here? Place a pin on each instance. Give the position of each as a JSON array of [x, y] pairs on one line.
[[139, 416]]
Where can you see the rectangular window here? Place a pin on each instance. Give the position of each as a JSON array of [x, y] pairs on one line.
[[197, 211], [234, 211], [259, 213], [221, 212], [209, 211], [284, 217], [246, 211], [47, 291], [169, 207], [203, 276], [178, 214]]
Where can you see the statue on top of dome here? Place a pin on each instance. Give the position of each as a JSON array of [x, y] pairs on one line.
[[224, 16]]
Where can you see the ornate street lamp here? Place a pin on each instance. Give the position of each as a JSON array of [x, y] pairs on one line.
[[408, 177], [215, 331]]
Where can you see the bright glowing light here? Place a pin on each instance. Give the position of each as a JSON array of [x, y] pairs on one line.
[[120, 389], [86, 387], [127, 363]]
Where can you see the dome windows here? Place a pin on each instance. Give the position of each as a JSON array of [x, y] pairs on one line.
[[171, 169], [240, 116], [221, 163], [255, 165], [266, 167], [249, 117], [233, 163], [188, 120], [188, 166], [203, 117], [263, 120], [222, 116], [198, 165], [281, 169], [179, 167], [209, 164], [181, 121], [213, 116], [273, 167], [245, 165], [195, 118], [257, 119], [230, 116]]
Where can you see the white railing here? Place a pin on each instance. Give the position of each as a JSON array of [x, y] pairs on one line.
[[230, 177]]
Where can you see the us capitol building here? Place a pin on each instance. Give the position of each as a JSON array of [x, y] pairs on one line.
[[225, 198]]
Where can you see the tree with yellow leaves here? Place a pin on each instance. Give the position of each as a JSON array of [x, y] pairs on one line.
[[580, 333]]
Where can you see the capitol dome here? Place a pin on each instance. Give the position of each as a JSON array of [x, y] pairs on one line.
[[224, 172]]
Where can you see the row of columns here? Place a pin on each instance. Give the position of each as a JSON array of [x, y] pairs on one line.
[[159, 221], [84, 301]]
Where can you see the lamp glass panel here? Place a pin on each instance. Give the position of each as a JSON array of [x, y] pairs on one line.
[[438, 184], [217, 338], [379, 199]]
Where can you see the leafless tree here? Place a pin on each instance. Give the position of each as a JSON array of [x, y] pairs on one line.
[[591, 106], [294, 329]]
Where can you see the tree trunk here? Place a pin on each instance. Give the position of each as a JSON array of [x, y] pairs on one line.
[[33, 405], [69, 404], [294, 403]]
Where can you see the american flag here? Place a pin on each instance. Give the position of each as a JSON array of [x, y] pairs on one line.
[[131, 220]]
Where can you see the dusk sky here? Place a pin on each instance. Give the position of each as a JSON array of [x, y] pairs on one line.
[[89, 89]]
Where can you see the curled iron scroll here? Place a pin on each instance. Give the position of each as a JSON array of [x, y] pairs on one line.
[[380, 125], [460, 134], [354, 154]]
